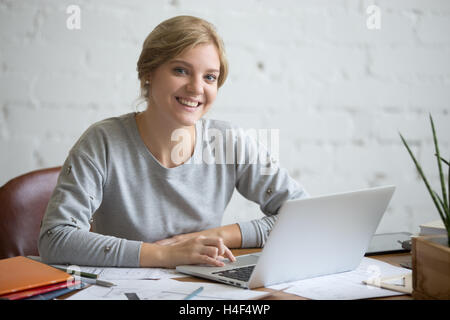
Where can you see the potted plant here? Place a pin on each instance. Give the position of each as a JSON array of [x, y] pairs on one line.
[[431, 254]]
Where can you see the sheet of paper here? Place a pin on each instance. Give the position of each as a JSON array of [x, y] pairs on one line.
[[165, 289], [347, 285], [106, 273]]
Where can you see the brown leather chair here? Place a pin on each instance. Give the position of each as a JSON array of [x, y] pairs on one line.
[[23, 201]]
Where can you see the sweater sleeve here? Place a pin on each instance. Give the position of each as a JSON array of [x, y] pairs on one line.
[[65, 236], [267, 184]]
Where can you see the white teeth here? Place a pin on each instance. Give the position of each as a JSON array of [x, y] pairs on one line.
[[188, 103]]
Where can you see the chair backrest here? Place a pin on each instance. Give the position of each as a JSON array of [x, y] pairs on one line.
[[23, 201]]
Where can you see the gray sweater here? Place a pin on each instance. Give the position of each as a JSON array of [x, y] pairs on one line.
[[113, 194]]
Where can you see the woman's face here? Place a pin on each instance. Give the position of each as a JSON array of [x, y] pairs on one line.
[[183, 89]]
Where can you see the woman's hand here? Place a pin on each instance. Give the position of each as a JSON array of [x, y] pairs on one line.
[[191, 250], [231, 235], [195, 250], [207, 246]]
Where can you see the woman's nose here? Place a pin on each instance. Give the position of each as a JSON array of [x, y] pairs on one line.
[[195, 86]]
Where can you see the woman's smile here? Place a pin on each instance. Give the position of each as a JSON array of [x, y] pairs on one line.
[[190, 105]]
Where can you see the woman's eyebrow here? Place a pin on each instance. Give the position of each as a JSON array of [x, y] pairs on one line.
[[190, 65]]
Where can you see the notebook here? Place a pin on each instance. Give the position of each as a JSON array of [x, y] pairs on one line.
[[20, 273], [24, 294], [431, 228], [311, 237]]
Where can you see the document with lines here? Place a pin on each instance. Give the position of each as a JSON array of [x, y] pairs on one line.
[[165, 289], [108, 273], [347, 285], [112, 273]]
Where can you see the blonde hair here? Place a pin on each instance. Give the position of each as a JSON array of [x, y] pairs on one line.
[[170, 38]]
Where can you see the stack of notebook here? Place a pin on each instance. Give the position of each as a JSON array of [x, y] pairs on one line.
[[23, 278], [432, 228]]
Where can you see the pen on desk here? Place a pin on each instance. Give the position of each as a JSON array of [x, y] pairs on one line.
[[193, 293], [98, 282], [80, 273]]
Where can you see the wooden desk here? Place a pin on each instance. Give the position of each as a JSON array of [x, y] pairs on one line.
[[395, 259]]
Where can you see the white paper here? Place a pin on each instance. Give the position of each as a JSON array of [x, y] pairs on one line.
[[107, 273], [347, 285], [165, 289]]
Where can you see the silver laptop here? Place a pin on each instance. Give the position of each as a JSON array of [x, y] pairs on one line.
[[311, 237]]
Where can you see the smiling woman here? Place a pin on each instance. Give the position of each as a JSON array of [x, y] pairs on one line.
[[126, 201], [173, 36], [183, 90], [181, 67]]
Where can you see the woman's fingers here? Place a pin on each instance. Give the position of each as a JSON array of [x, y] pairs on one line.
[[229, 255], [210, 251], [197, 249], [215, 249], [211, 261]]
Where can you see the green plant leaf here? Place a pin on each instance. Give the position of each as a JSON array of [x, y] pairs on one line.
[[441, 174], [418, 167], [440, 200], [443, 160], [445, 220]]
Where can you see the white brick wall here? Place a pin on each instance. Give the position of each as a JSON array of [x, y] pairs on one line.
[[338, 92]]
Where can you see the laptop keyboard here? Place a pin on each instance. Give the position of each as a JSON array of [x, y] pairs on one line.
[[242, 273]]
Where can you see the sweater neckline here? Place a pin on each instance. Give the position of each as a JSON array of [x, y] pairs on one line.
[[145, 152]]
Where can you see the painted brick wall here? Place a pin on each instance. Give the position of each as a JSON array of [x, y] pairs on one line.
[[338, 90]]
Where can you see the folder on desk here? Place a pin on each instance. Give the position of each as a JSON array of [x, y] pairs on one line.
[[20, 273]]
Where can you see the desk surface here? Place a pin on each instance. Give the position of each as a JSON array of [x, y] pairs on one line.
[[395, 259]]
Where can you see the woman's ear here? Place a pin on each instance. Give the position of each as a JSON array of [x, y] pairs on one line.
[[147, 79], [145, 85]]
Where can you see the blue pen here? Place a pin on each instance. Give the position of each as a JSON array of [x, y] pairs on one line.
[[193, 293]]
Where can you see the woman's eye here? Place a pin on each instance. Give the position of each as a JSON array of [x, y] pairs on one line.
[[211, 77], [180, 70]]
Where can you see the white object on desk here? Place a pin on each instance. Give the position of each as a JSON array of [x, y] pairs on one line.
[[348, 285], [432, 228], [402, 283], [165, 289], [108, 273]]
